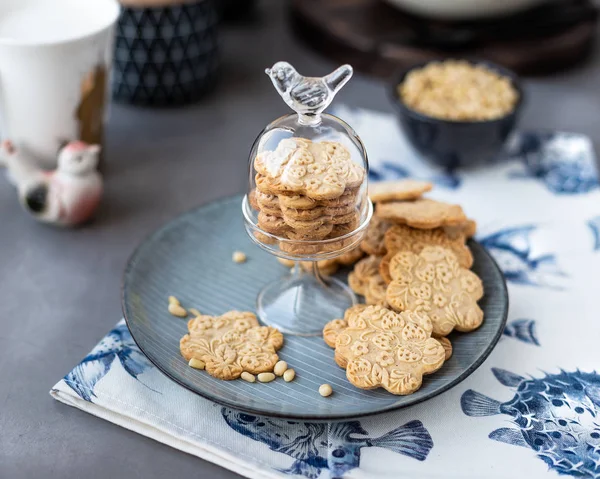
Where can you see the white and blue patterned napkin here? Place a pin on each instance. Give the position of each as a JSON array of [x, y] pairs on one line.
[[531, 410]]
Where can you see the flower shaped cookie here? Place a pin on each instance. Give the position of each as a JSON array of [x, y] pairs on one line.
[[433, 282], [381, 348], [320, 170], [231, 343]]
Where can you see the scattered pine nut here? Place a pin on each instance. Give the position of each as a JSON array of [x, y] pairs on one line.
[[266, 377], [174, 300], [325, 390], [195, 312], [246, 376], [280, 368], [197, 363], [177, 310], [239, 257], [289, 375]]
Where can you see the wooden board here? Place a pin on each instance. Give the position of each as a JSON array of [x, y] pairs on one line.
[[377, 38]]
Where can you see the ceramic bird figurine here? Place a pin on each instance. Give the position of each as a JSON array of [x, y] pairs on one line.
[[67, 196], [307, 95]]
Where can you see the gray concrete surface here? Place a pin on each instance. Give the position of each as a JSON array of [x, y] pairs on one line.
[[59, 289]]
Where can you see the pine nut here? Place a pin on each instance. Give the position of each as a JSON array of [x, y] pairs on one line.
[[246, 376], [266, 377], [174, 300], [280, 368], [195, 312], [177, 310], [289, 375], [325, 390], [239, 257], [196, 363]]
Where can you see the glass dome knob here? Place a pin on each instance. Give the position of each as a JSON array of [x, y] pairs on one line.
[[307, 96]]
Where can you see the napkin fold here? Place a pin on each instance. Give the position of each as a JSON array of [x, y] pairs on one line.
[[532, 408]]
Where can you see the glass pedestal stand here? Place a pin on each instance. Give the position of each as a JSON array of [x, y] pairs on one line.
[[303, 302]]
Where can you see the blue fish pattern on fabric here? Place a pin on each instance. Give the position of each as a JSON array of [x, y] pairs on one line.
[[118, 343], [556, 416], [564, 162], [523, 330], [320, 446], [511, 248], [594, 225], [393, 171]]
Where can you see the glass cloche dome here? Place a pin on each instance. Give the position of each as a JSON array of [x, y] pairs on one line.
[[307, 199]]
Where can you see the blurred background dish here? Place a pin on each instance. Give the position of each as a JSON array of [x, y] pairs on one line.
[[464, 9], [451, 143]]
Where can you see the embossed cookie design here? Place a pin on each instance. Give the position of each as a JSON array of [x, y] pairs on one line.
[[381, 348], [404, 238], [320, 170], [231, 344], [433, 282]]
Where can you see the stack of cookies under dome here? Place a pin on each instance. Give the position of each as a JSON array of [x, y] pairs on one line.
[[307, 191]]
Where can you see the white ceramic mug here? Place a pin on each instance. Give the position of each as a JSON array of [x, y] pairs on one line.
[[55, 63]]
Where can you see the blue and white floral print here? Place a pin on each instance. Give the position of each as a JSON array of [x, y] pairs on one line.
[[523, 330], [511, 248], [118, 343], [564, 162], [335, 447], [594, 225], [557, 416]]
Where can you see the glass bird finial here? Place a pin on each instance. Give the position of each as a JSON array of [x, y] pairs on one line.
[[307, 96]]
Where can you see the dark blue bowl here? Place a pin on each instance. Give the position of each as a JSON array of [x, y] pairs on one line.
[[453, 144]]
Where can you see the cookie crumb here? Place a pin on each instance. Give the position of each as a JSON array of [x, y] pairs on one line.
[[195, 312], [280, 368], [239, 257], [325, 390], [249, 377], [197, 363], [174, 300], [177, 310], [266, 377], [289, 375]]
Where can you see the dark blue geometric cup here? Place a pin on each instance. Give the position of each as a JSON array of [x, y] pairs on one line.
[[166, 55]]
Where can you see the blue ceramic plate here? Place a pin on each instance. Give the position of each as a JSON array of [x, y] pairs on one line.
[[191, 258]]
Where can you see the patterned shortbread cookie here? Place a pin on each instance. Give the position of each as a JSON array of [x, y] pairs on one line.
[[381, 348], [272, 224], [346, 228], [350, 257], [319, 170], [266, 200], [447, 345], [307, 225], [422, 213], [303, 202], [263, 238], [373, 240], [404, 238], [314, 234], [468, 229], [399, 190], [376, 290], [363, 271], [231, 343], [252, 200], [434, 282]]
